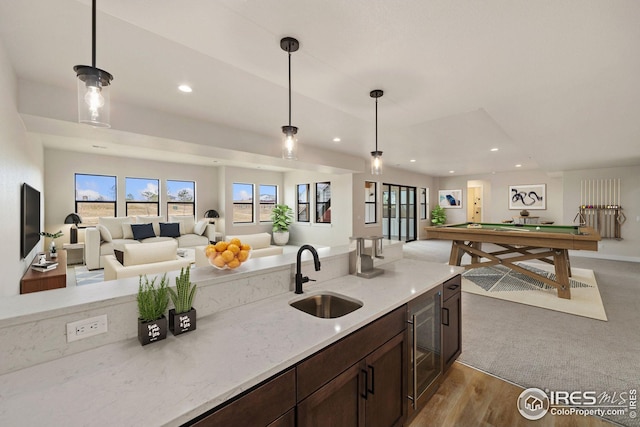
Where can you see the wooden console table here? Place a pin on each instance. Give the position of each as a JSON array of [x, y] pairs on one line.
[[34, 281]]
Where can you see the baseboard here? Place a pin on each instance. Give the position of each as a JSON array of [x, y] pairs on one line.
[[610, 257]]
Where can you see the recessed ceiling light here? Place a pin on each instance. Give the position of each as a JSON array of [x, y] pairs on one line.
[[185, 88], [451, 171], [336, 139], [518, 166], [494, 149], [412, 160]]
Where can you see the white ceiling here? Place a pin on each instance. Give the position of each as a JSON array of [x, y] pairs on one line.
[[553, 84]]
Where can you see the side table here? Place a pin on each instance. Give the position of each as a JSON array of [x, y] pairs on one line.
[[34, 281], [75, 253]]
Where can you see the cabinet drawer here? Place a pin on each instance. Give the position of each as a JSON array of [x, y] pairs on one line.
[[327, 364], [259, 407], [452, 287]]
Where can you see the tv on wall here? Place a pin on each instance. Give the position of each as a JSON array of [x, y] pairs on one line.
[[30, 226]]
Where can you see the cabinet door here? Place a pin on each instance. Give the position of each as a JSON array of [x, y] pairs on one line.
[[385, 386], [337, 403], [451, 329]]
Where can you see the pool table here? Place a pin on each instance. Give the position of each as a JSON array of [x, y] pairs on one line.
[[547, 243]]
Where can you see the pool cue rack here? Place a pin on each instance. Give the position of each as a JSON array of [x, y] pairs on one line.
[[600, 207]]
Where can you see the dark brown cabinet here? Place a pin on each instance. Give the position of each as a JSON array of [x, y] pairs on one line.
[[358, 381], [451, 321]]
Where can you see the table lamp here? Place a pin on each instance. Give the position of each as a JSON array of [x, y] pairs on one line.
[[73, 218], [211, 214]]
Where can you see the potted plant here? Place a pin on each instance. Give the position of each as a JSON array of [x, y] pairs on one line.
[[438, 215], [182, 318], [53, 252], [282, 217], [152, 304]]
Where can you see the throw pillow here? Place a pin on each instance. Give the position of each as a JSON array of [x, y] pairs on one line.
[[200, 227], [142, 231], [169, 229], [127, 233], [105, 234]]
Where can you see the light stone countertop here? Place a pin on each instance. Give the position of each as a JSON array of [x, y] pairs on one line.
[[177, 379]]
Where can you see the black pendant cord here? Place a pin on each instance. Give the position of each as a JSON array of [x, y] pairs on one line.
[[93, 35], [289, 89], [376, 124]]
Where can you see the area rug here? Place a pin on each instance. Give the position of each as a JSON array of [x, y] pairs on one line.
[[85, 276], [503, 283]]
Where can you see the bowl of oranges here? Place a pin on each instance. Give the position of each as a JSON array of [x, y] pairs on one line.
[[227, 255]]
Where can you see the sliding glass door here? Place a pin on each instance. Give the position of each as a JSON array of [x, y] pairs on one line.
[[399, 212]]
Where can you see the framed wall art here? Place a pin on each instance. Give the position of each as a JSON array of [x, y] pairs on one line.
[[532, 196], [450, 199]]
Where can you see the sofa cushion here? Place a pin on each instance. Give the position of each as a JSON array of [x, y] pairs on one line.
[[105, 234], [142, 231], [169, 229], [114, 225], [257, 241], [200, 227], [190, 240], [127, 232], [157, 239], [155, 220], [187, 222], [134, 254]]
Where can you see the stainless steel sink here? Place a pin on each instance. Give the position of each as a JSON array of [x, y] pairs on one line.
[[326, 305]]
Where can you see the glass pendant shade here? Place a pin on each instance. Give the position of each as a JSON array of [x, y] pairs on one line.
[[289, 142], [376, 163], [93, 96]]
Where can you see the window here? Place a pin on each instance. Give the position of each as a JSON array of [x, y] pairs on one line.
[[323, 202], [181, 198], [370, 202], [303, 203], [95, 197], [142, 196], [424, 204], [268, 199], [242, 203]]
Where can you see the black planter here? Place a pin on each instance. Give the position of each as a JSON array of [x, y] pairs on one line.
[[183, 322], [153, 331]]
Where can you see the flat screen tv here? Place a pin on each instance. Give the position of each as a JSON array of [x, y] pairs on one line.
[[30, 226]]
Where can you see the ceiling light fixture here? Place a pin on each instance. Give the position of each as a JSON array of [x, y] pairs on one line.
[[336, 139], [289, 144], [494, 149], [412, 160], [376, 156], [93, 86], [518, 166], [185, 88]]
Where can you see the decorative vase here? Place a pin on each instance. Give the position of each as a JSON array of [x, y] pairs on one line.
[[524, 212], [182, 322], [153, 331], [280, 238], [52, 249]]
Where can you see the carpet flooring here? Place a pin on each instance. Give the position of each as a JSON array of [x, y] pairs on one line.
[[533, 347]]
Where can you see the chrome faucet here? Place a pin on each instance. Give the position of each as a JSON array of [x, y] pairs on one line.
[[300, 279]]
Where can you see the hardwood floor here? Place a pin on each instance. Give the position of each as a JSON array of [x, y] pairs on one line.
[[469, 397]]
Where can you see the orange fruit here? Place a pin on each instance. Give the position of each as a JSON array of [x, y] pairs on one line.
[[234, 263], [210, 249], [227, 256], [218, 262], [235, 241], [245, 247], [243, 255], [233, 248], [221, 246]]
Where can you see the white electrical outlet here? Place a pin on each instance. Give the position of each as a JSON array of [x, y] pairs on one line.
[[86, 328]]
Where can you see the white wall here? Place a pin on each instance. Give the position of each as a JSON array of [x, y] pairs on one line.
[[227, 176], [61, 166], [21, 161], [340, 229], [390, 176]]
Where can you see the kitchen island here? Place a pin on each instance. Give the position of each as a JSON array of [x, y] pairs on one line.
[[175, 380]]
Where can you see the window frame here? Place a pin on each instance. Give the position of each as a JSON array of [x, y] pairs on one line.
[[306, 203], [233, 213], [318, 217], [271, 204], [183, 203], [79, 203], [141, 202], [368, 203]]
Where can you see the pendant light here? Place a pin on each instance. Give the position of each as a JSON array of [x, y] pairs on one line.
[[289, 140], [93, 87], [376, 156]]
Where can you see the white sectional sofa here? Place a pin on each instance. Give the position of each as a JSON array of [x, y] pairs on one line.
[[113, 232], [260, 246], [152, 259]]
